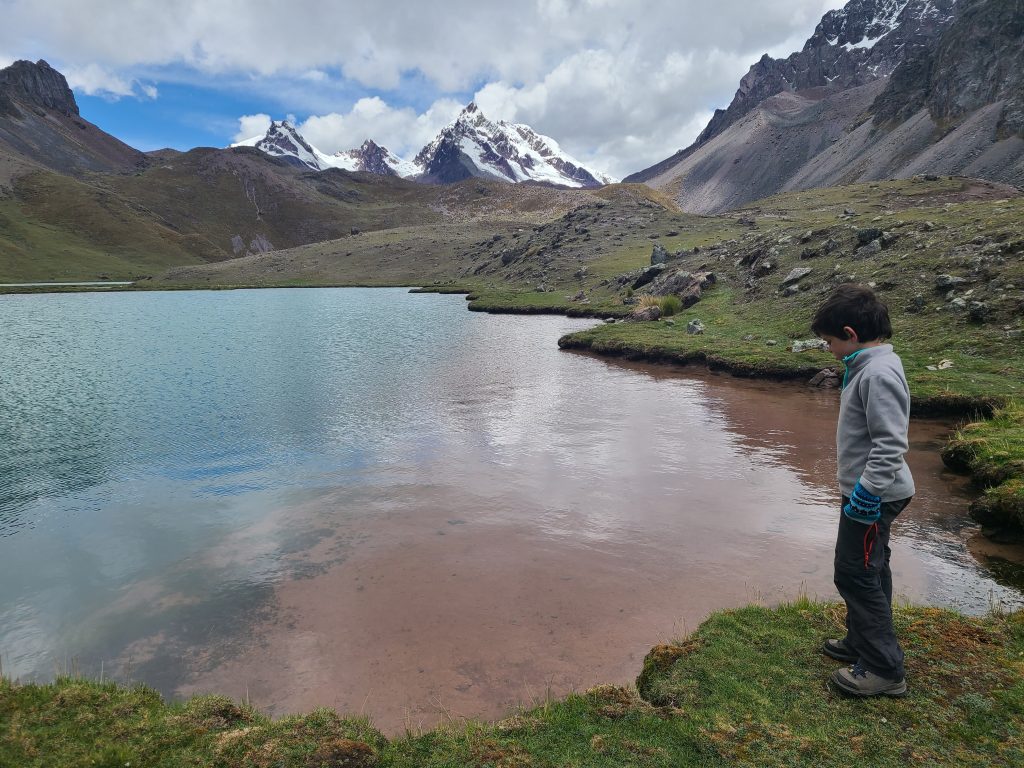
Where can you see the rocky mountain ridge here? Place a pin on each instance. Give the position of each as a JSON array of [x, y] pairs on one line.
[[40, 126], [937, 90], [470, 146]]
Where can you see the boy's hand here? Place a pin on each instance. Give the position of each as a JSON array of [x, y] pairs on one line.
[[864, 507]]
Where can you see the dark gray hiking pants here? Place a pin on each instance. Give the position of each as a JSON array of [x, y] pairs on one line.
[[864, 580]]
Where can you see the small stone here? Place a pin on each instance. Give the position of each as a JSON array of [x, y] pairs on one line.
[[1016, 333], [806, 236], [977, 311], [803, 346], [957, 305], [658, 254], [609, 319], [771, 343], [670, 322], [695, 326], [875, 246], [748, 337], [791, 290], [916, 304]]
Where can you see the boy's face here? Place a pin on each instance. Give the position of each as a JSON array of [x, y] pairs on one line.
[[840, 348]]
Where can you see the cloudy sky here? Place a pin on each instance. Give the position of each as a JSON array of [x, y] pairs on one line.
[[620, 84]]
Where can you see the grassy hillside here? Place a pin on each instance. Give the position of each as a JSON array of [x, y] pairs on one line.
[[748, 688], [211, 205]]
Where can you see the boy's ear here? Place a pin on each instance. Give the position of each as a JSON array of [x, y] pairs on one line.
[[851, 335]]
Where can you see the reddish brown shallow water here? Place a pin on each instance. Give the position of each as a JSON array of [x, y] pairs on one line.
[[550, 554]]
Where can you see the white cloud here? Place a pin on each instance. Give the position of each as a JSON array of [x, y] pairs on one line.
[[401, 130], [252, 125], [622, 82]]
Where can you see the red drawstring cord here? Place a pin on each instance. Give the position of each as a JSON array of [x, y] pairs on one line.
[[868, 547]]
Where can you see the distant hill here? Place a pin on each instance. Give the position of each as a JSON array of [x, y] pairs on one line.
[[76, 203], [882, 89]]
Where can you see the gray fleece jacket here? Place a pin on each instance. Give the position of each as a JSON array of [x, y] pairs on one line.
[[874, 415]]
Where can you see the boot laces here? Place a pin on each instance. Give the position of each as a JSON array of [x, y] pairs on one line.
[[858, 671]]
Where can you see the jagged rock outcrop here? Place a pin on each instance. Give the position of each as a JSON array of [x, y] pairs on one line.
[[882, 89], [40, 126], [36, 84]]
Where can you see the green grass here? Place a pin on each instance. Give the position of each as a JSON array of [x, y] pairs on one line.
[[748, 688]]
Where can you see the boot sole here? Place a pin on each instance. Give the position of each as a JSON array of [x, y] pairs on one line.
[[897, 692]]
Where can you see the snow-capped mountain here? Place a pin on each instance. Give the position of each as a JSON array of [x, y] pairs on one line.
[[470, 146], [373, 158], [283, 140]]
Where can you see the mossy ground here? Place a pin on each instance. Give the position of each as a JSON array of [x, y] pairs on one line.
[[749, 687]]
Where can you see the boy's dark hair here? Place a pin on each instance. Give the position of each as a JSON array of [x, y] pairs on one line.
[[855, 306]]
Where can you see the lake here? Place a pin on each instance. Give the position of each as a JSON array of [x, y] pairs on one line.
[[380, 502]]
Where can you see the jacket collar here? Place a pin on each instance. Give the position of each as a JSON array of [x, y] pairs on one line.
[[857, 360]]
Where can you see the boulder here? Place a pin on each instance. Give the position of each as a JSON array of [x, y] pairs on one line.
[[695, 326], [948, 282], [803, 346], [826, 378], [795, 275], [875, 246], [644, 314], [647, 274], [977, 311], [658, 254]]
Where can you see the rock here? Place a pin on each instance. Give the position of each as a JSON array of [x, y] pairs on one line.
[[957, 305], [826, 378], [653, 236], [1016, 333], [746, 221], [672, 233], [849, 212], [796, 274], [644, 314], [762, 267], [875, 246], [670, 322], [948, 282], [943, 365], [541, 288], [830, 246], [806, 236], [791, 290], [803, 346], [695, 326], [865, 236], [748, 337], [977, 311], [771, 343], [237, 244], [647, 274], [580, 296], [354, 231], [928, 226], [930, 177], [658, 254], [609, 320], [889, 239], [809, 253]]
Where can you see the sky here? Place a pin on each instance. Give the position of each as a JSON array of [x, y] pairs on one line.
[[619, 84]]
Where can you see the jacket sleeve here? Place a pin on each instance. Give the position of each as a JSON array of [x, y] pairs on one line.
[[887, 408]]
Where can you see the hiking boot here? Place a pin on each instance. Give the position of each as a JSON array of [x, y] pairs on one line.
[[857, 681], [839, 650]]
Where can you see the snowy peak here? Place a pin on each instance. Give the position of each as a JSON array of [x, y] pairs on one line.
[[373, 158], [284, 141], [472, 145]]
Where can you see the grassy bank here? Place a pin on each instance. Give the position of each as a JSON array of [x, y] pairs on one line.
[[747, 688]]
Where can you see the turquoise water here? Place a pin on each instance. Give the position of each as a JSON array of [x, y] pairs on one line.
[[187, 478]]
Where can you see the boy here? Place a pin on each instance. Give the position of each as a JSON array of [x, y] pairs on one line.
[[876, 485]]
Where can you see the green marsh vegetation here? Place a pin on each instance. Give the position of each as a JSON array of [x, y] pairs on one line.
[[747, 688]]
